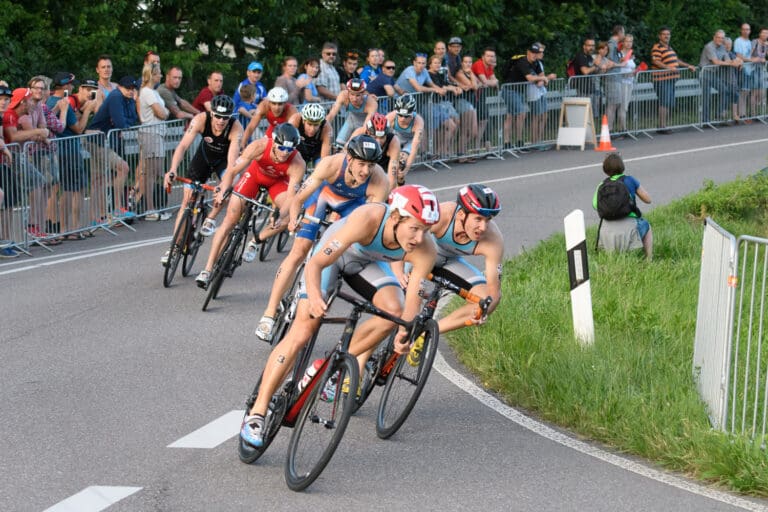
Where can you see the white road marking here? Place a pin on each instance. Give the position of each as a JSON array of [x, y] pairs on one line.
[[213, 434], [544, 431], [93, 499]]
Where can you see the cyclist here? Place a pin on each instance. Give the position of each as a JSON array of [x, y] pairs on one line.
[[378, 128], [315, 132], [467, 228], [273, 163], [409, 127], [276, 109], [358, 105], [342, 182], [356, 248], [217, 151]]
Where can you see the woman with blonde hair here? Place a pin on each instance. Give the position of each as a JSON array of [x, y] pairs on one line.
[[152, 113]]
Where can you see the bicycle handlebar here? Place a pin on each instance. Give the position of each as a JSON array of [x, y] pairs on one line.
[[368, 307], [482, 303], [197, 184]]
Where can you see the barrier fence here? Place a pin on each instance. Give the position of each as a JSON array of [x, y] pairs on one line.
[[95, 181], [730, 350]]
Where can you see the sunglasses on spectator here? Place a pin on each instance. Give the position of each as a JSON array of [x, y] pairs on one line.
[[389, 67], [330, 54], [219, 116], [285, 149], [352, 55]]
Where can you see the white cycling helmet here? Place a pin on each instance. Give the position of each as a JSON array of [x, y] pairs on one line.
[[277, 95], [313, 112]]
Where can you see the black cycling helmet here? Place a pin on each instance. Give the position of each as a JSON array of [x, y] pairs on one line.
[[479, 199], [222, 105], [287, 135], [364, 147]]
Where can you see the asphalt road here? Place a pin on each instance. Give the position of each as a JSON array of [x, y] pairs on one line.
[[105, 375]]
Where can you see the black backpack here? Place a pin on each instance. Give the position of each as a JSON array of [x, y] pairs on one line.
[[614, 200]]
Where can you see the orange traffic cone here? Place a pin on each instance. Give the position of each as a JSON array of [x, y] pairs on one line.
[[605, 137]]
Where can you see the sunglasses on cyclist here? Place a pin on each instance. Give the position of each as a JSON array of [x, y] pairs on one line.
[[285, 149], [312, 123], [222, 117]]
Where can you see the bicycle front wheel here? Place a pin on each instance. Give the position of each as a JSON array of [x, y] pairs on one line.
[[321, 423], [223, 264], [177, 243], [405, 383], [194, 241]]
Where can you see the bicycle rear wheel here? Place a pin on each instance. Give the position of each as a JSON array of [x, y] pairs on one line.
[[405, 383], [321, 424], [282, 240], [194, 241], [277, 406], [174, 253], [222, 266]]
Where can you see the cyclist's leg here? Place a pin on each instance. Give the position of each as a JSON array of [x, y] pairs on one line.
[[285, 273], [184, 201], [231, 218], [377, 283], [278, 191], [467, 276]]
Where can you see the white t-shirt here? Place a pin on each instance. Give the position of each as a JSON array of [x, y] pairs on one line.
[[148, 97]]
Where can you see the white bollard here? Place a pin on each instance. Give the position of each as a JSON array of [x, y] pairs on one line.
[[578, 271]]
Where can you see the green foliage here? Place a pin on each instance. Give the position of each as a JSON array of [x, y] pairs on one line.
[[633, 389]]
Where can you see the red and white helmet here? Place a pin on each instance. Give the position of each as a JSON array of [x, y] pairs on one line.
[[377, 125], [416, 201]]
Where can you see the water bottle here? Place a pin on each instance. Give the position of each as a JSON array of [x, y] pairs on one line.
[[311, 371]]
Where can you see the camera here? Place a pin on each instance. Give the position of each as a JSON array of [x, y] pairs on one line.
[[92, 95], [66, 93]]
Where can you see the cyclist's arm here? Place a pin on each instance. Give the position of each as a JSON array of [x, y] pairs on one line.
[[371, 107], [195, 127], [393, 152], [378, 185], [492, 248], [324, 170], [340, 99], [325, 148], [295, 175], [249, 154], [423, 260], [418, 130]]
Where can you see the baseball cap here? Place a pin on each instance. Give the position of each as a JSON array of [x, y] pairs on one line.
[[63, 78], [127, 81], [535, 48], [89, 83], [19, 94], [255, 66], [455, 40]]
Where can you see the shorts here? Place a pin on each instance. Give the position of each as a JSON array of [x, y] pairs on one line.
[[458, 271], [253, 179], [643, 227], [514, 101], [30, 177], [72, 168], [407, 147], [102, 158], [665, 91], [441, 112], [48, 165], [364, 275], [351, 124], [751, 79], [539, 106], [152, 144], [461, 105], [200, 169], [317, 203], [9, 182]]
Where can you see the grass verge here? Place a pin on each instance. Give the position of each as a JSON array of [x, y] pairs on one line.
[[633, 389]]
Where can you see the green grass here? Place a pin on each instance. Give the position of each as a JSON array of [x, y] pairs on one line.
[[633, 389]]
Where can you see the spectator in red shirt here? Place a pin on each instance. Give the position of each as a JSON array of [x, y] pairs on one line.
[[214, 88], [484, 68]]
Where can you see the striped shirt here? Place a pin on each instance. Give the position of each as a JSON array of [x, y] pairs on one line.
[[668, 57]]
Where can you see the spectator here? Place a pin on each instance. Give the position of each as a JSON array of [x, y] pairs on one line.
[[383, 86], [632, 232], [178, 107], [116, 113], [247, 109], [151, 141], [310, 68], [104, 72], [348, 69], [408, 125], [372, 69], [759, 54], [46, 156], [732, 79], [469, 83], [151, 58], [483, 68], [663, 57], [440, 51], [253, 78], [618, 107], [716, 63], [615, 47], [415, 78], [288, 81], [453, 56], [214, 88], [537, 97], [358, 106], [327, 81], [33, 129], [276, 110], [742, 48], [445, 118], [585, 65], [10, 188], [73, 177]]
